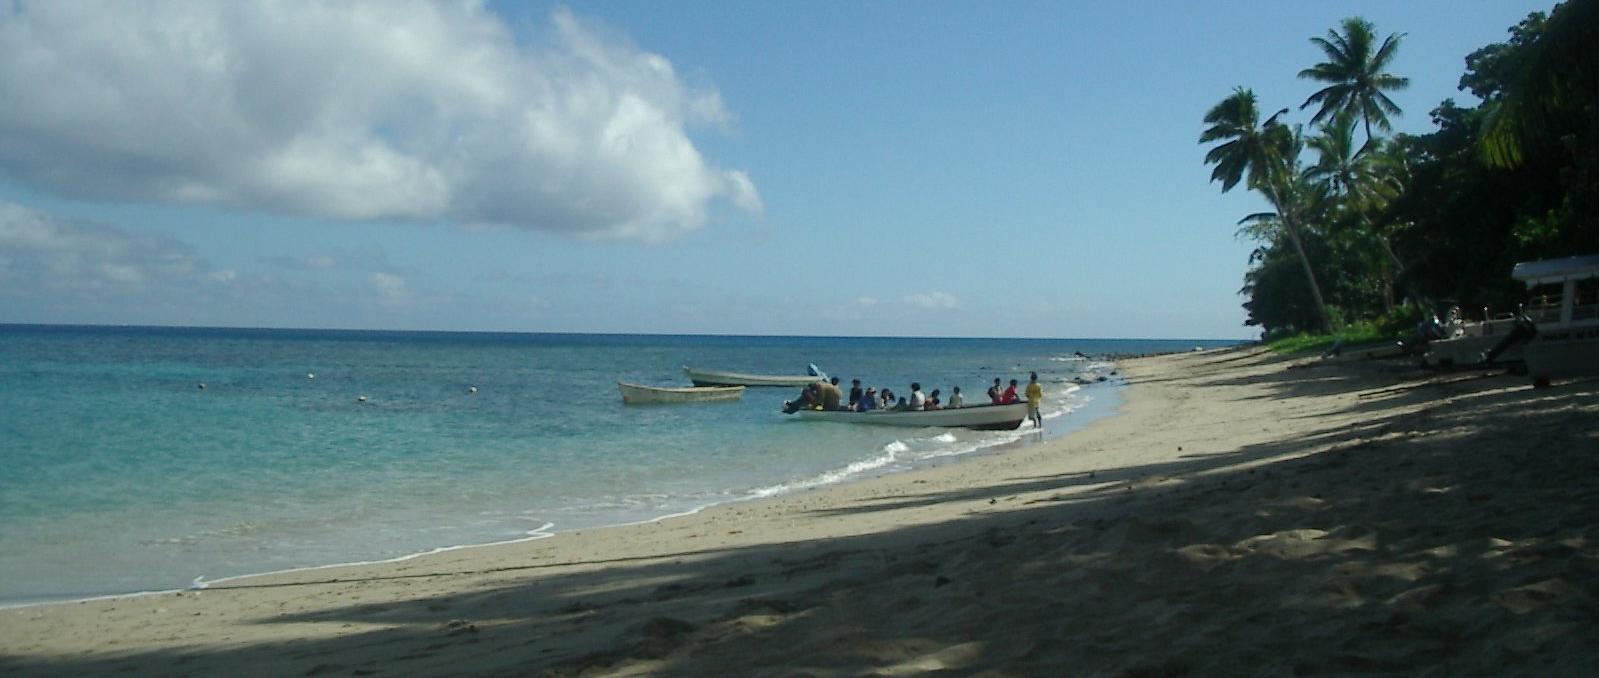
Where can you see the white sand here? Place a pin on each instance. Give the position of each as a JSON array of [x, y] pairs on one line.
[[1244, 513]]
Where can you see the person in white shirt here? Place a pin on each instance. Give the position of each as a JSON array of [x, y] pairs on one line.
[[918, 399]]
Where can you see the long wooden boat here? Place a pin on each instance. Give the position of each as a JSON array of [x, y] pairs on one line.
[[980, 417], [719, 378], [639, 394]]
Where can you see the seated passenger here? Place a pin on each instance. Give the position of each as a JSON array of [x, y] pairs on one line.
[[1010, 394], [918, 399]]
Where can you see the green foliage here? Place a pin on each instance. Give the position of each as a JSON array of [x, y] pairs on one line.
[[1390, 230], [1353, 336], [1354, 71]]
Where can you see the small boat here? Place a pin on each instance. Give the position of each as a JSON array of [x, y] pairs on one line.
[[718, 378], [638, 394], [980, 417], [1564, 306], [1468, 342]]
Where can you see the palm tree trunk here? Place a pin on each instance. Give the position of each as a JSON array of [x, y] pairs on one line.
[[1310, 276]]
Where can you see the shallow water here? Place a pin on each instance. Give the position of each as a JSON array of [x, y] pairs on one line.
[[121, 474]]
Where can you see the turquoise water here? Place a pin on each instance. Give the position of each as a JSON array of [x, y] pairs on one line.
[[121, 474]]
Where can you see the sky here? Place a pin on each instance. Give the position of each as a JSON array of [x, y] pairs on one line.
[[928, 168]]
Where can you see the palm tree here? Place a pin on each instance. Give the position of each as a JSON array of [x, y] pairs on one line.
[[1261, 154], [1354, 177], [1354, 75], [1552, 92]]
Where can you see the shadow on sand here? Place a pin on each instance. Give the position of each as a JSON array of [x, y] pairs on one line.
[[1462, 537]]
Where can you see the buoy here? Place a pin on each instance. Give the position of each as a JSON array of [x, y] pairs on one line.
[[471, 389], [360, 399], [202, 386], [310, 375]]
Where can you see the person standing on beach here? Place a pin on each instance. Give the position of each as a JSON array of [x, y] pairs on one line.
[[1035, 401]]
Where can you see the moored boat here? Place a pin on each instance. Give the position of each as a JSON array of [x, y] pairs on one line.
[[980, 417], [1468, 342], [1564, 305], [719, 378], [639, 394]]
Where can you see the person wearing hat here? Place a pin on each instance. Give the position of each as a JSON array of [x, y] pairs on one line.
[[867, 401]]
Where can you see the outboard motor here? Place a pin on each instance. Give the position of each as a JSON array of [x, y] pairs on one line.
[[1523, 331]]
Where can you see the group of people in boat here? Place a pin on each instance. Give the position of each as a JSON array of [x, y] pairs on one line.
[[826, 395]]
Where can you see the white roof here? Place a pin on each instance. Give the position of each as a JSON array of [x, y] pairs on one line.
[[1551, 271]]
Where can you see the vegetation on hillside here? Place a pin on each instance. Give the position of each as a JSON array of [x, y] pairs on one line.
[[1369, 233]]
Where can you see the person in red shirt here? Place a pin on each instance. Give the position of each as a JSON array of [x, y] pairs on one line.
[[1009, 395]]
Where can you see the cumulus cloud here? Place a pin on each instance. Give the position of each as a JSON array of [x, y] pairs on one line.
[[45, 254], [932, 300], [358, 110], [360, 259], [390, 288]]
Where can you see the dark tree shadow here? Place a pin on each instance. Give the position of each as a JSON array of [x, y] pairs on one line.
[[1458, 538]]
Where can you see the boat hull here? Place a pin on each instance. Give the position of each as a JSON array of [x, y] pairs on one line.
[[1563, 353], [638, 394], [1467, 350], [718, 378], [979, 417]]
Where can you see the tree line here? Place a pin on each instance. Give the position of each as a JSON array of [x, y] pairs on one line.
[[1367, 227]]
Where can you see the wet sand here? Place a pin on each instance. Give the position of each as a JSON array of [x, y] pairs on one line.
[[1243, 513]]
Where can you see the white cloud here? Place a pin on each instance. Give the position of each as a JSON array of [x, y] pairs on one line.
[[390, 288], [357, 110], [866, 301], [932, 300], [47, 254]]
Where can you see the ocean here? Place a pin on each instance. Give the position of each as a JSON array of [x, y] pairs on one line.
[[144, 458]]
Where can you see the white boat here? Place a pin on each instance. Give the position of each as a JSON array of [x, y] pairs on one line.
[[981, 417], [1468, 342], [639, 394], [718, 378], [1564, 305]]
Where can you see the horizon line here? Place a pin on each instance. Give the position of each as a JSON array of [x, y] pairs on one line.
[[137, 326]]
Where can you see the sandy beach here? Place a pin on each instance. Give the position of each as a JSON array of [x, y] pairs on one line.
[[1245, 513]]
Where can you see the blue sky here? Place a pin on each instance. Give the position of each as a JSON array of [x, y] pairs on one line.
[[885, 168]]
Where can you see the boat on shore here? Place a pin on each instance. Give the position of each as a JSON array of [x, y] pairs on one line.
[[639, 394], [980, 417], [1469, 342], [1564, 307], [720, 378]]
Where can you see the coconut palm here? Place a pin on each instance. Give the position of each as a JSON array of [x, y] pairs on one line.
[[1262, 154], [1354, 75], [1552, 90], [1353, 176]]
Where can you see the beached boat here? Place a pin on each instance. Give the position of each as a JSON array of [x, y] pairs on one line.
[[1564, 305], [719, 378], [981, 417], [639, 394], [1468, 343]]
